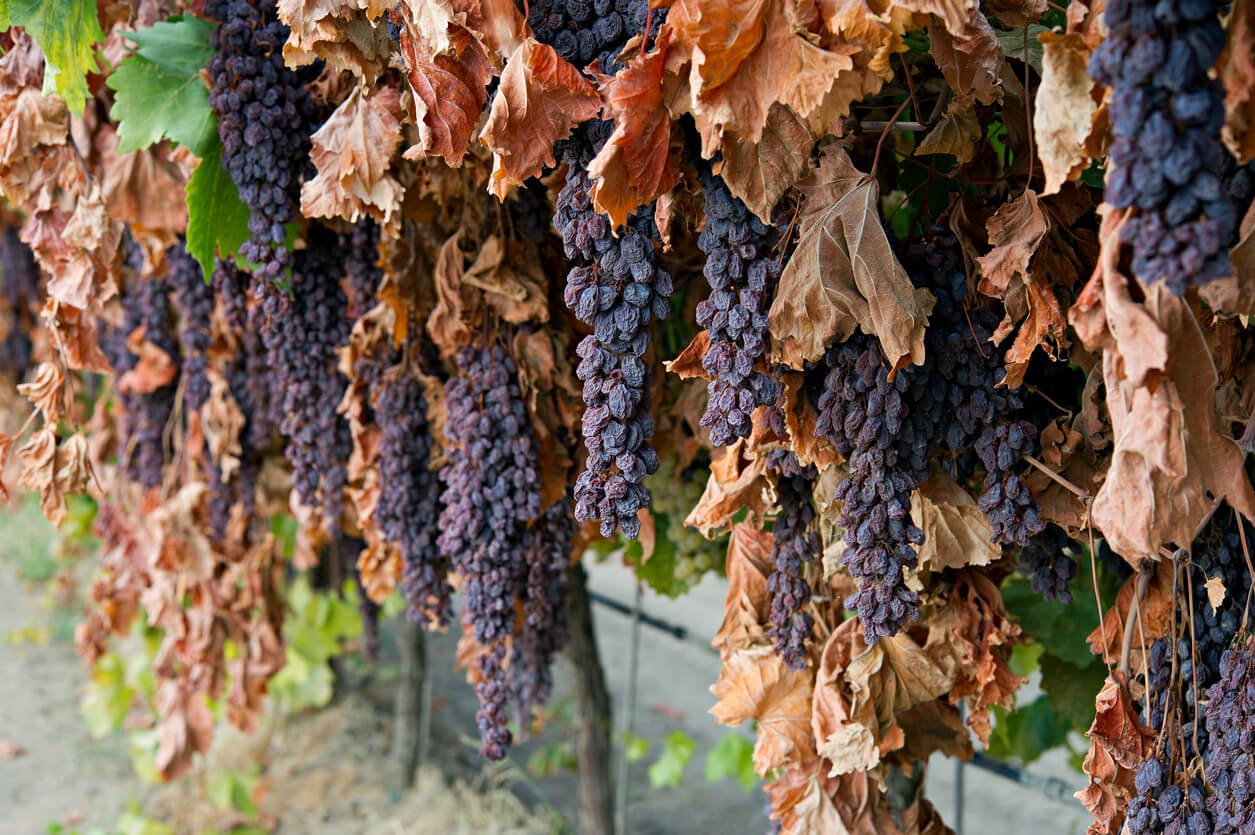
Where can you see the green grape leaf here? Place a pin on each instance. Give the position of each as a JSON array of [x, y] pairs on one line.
[[658, 572], [1026, 658], [732, 756], [1028, 732], [1072, 689], [667, 771], [217, 220], [67, 32], [160, 94]]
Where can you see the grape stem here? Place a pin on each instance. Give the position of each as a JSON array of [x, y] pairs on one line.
[[1060, 480]]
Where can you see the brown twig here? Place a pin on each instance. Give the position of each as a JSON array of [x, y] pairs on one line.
[[1145, 572], [1058, 479], [880, 144]]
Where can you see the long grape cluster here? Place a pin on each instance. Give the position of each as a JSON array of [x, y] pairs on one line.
[[19, 283], [1049, 566], [362, 273], [194, 301], [742, 273], [1005, 498], [491, 498], [409, 496], [1182, 667], [618, 288], [265, 118], [891, 429], [146, 301], [1230, 720], [1167, 162], [795, 548], [301, 349], [543, 631]]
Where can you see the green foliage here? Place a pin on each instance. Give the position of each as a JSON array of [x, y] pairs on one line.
[[667, 771], [318, 625], [1028, 732], [551, 759], [217, 219], [233, 790], [732, 757], [68, 32], [1072, 689], [635, 748], [160, 93], [1012, 43], [658, 572]]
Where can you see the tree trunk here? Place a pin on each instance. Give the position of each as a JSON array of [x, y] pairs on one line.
[[408, 717], [593, 749]]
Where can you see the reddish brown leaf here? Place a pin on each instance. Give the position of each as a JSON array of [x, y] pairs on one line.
[[955, 134], [541, 98], [1152, 621], [844, 275], [1118, 744], [449, 92], [738, 480], [1238, 73], [747, 603], [688, 364], [47, 392], [636, 165], [970, 60]]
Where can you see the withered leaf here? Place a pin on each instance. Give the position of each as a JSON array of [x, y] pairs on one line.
[[46, 391], [755, 685], [450, 91], [738, 480], [956, 532], [688, 364], [1238, 73], [541, 98], [844, 274], [341, 32], [1153, 618], [969, 60], [1118, 744], [636, 165], [1064, 110], [747, 56], [955, 134], [747, 602], [154, 369], [352, 152], [759, 173]]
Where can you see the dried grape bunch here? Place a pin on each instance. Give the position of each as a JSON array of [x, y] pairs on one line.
[[302, 352], [587, 31], [408, 506], [795, 548], [617, 287], [543, 631], [20, 286], [146, 414], [194, 301], [742, 272], [1167, 162], [1230, 721], [491, 498], [265, 118], [1047, 563], [362, 273]]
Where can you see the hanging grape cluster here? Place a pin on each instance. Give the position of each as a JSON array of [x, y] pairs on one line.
[[1230, 721], [795, 549]]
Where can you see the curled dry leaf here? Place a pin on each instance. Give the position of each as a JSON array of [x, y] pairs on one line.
[[635, 166], [956, 532], [540, 100], [956, 134], [860, 691], [747, 603], [970, 60], [185, 727], [738, 480], [755, 685], [759, 173], [344, 33], [47, 392], [1064, 109], [449, 93], [844, 274], [154, 369], [1235, 295], [144, 189], [745, 57], [1153, 619], [688, 363], [352, 152], [379, 566], [971, 639], [1119, 742], [1238, 72]]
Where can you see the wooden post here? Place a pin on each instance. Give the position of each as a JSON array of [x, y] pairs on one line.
[[592, 750], [408, 716]]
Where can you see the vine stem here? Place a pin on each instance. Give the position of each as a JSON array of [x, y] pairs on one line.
[[1059, 479], [888, 129]]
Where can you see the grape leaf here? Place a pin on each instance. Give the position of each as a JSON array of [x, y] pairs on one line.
[[732, 756], [67, 31], [658, 571], [160, 94], [1072, 689], [668, 770], [1027, 733], [217, 220]]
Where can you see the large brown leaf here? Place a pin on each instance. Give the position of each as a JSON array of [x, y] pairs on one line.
[[636, 165], [755, 685], [844, 275], [352, 152], [342, 32], [747, 604], [1064, 109], [956, 532], [748, 55], [970, 60], [738, 481], [1119, 742], [759, 173], [540, 100], [449, 92]]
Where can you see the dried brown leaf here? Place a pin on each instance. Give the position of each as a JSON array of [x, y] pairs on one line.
[[970, 60], [844, 275], [541, 98], [756, 685], [1238, 73], [342, 32], [449, 93], [759, 173], [738, 481], [1064, 109], [956, 532], [747, 603]]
